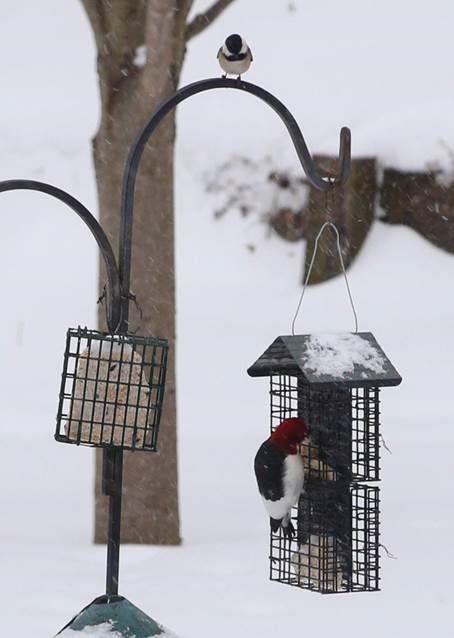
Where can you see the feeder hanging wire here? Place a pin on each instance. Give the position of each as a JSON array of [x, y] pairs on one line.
[[306, 282]]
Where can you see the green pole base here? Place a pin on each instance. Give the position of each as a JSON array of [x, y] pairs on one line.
[[113, 617]]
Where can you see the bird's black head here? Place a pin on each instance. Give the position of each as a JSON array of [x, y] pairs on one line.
[[234, 43]]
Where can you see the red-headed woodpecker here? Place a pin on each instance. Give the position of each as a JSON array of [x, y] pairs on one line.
[[280, 473]]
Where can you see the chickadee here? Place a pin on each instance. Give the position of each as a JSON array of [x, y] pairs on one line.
[[235, 56]]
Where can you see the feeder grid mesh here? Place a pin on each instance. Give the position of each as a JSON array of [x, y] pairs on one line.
[[112, 390], [336, 546]]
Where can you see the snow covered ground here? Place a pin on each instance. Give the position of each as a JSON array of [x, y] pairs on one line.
[[382, 69]]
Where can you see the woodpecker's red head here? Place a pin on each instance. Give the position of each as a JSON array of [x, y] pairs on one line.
[[289, 434]]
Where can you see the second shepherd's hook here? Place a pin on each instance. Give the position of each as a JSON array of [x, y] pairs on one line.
[[132, 164]]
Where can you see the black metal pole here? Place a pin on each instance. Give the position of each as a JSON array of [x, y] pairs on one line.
[[113, 479]]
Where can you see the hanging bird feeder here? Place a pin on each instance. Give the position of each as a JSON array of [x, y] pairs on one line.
[[333, 383]]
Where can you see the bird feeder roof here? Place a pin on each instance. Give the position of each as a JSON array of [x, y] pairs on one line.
[[350, 359]]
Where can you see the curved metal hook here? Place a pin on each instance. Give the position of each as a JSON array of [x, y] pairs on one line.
[[114, 300], [170, 103]]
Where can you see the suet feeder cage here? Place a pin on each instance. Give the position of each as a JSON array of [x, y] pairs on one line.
[[112, 390], [333, 383]]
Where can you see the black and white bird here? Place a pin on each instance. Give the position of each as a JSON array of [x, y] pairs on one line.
[[235, 56], [279, 471]]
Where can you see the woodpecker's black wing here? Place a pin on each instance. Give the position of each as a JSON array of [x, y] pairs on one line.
[[268, 466]]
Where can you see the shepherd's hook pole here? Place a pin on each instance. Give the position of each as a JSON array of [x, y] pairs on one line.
[[133, 161], [119, 279]]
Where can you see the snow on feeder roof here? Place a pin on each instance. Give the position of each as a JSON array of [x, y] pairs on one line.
[[352, 359]]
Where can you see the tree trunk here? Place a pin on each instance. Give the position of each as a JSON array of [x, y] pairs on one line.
[[129, 94], [350, 207], [420, 201], [150, 503], [130, 89]]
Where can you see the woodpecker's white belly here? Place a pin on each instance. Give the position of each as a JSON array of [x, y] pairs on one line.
[[293, 482], [234, 67]]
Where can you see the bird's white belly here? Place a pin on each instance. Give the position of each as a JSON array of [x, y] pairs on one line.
[[235, 67], [293, 477], [293, 481]]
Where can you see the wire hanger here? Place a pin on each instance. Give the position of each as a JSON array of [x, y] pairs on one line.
[[333, 226]]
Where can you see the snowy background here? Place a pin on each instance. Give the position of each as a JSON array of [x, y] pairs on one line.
[[385, 70]]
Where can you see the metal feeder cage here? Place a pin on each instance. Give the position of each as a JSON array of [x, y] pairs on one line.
[[112, 390], [336, 546]]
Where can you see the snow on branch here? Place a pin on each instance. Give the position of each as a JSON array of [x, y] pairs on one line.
[[203, 20]]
